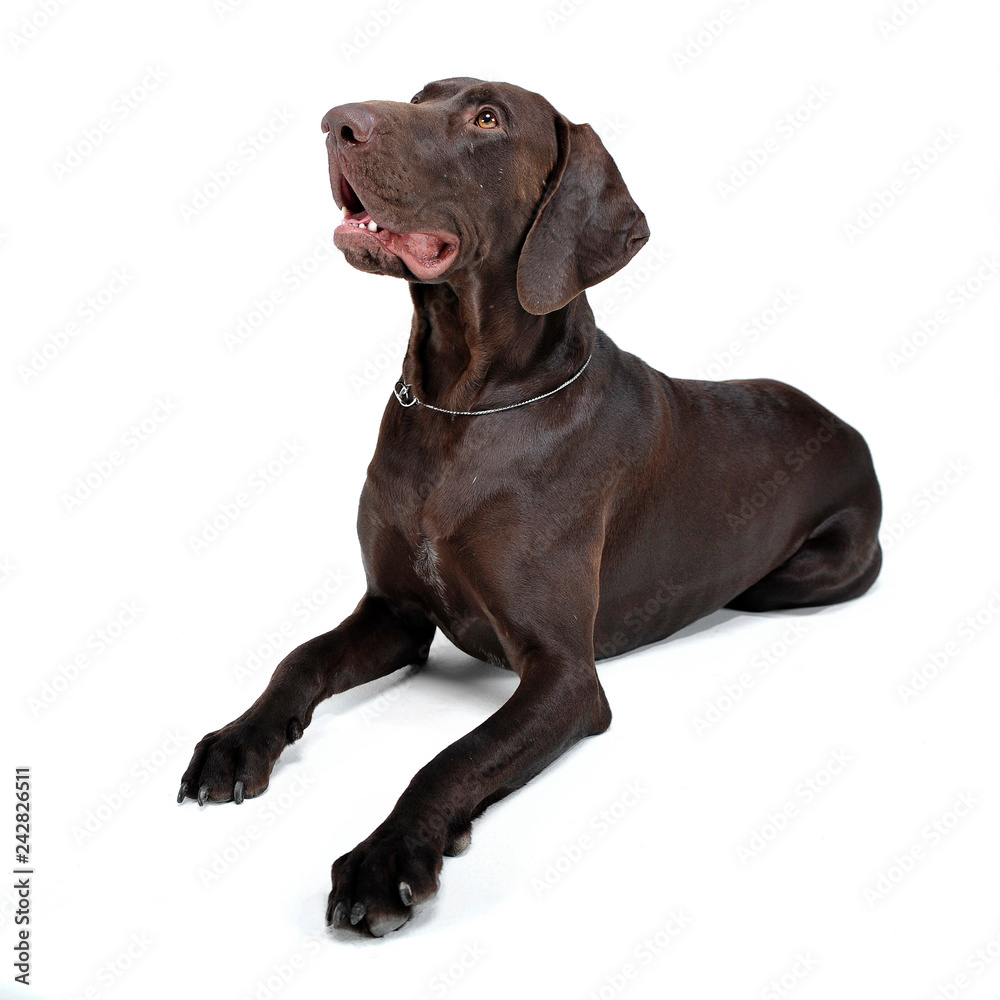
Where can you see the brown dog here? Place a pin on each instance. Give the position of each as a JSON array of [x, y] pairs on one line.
[[534, 487]]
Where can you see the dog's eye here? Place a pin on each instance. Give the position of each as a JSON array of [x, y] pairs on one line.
[[487, 119], [415, 99]]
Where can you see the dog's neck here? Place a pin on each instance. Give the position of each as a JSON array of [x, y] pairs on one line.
[[473, 346]]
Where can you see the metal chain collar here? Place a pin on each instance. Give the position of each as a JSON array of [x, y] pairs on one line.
[[405, 397]]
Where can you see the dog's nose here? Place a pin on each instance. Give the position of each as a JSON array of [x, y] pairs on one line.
[[350, 124]]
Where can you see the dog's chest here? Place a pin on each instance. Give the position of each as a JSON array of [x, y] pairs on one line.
[[419, 531], [427, 566], [418, 512]]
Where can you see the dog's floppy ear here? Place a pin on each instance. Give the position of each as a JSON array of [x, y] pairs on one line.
[[586, 228]]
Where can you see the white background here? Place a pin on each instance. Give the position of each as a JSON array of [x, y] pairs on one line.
[[120, 866]]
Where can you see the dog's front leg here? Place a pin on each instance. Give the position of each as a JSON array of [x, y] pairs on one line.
[[235, 761], [558, 702]]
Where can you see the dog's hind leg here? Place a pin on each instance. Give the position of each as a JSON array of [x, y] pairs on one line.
[[838, 561]]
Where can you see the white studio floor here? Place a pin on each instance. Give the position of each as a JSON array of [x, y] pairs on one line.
[[790, 803]]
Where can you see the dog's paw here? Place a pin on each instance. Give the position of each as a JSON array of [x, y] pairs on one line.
[[235, 762], [376, 886]]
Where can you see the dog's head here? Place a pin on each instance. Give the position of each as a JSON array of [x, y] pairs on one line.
[[473, 175]]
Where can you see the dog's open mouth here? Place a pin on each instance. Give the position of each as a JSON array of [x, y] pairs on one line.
[[426, 254]]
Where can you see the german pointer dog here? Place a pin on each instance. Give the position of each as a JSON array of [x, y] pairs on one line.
[[541, 496]]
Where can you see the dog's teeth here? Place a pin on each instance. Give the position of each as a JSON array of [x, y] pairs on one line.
[[346, 213], [373, 226]]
